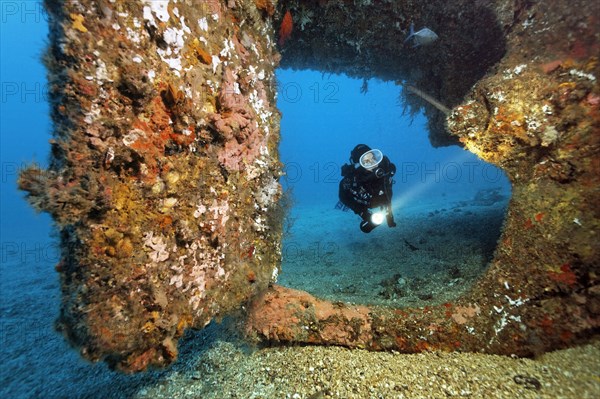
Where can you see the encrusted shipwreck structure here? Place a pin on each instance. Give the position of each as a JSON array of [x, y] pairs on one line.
[[163, 180], [164, 169]]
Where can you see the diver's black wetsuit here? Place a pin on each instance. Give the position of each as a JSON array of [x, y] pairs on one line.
[[362, 189]]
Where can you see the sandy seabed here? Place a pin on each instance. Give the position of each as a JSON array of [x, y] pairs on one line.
[[441, 252], [432, 256], [227, 371]]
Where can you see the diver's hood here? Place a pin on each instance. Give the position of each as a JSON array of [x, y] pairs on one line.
[[370, 159], [358, 151]]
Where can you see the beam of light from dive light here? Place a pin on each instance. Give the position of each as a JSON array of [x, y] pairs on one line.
[[409, 195]]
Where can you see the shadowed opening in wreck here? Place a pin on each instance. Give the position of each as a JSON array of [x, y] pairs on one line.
[[448, 205]]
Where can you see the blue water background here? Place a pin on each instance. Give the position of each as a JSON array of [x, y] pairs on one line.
[[24, 121]]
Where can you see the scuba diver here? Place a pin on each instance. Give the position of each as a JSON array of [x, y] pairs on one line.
[[367, 184]]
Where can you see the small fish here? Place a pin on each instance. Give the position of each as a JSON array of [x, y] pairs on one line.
[[285, 30], [421, 38]]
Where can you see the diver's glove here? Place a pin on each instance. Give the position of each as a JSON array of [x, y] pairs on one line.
[[366, 226], [365, 215]]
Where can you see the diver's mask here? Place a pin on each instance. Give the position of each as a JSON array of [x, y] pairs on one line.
[[370, 159]]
